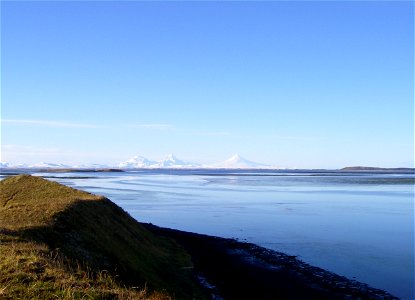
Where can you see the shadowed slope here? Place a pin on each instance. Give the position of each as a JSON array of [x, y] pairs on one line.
[[95, 233]]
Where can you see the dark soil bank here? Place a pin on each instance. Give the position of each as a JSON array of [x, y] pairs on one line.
[[235, 270]]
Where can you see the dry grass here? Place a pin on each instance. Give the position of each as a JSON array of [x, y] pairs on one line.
[[31, 270], [28, 201], [60, 243]]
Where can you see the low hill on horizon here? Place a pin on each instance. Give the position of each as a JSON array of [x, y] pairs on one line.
[[374, 169]]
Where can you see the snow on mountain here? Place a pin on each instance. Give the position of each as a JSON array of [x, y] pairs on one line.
[[17, 166], [4, 164], [238, 162], [41, 165], [138, 162], [91, 166], [170, 161], [44, 165], [48, 166]]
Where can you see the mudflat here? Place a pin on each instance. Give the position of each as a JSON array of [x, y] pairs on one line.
[[238, 270]]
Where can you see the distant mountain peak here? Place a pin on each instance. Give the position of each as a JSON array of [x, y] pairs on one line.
[[169, 161], [47, 165], [137, 161], [4, 164], [236, 157], [238, 162], [171, 157]]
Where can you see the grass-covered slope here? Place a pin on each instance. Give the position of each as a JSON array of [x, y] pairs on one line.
[[58, 241]]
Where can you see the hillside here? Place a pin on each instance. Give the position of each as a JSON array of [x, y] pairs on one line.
[[60, 242]]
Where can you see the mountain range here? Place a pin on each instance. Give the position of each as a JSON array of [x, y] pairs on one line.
[[170, 161], [140, 162]]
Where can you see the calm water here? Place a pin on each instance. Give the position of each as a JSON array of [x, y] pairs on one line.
[[357, 225]]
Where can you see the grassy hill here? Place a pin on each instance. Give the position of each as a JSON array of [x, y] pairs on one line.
[[58, 242]]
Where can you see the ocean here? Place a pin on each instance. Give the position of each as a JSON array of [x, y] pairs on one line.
[[356, 224]]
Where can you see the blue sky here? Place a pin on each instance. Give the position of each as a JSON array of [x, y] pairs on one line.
[[294, 84]]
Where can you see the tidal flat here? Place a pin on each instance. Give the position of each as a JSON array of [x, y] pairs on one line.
[[358, 225]]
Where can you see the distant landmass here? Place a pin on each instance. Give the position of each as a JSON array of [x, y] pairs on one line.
[[374, 169], [238, 162], [46, 165], [79, 170], [170, 161], [140, 162]]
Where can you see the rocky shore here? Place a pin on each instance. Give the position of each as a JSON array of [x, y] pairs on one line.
[[238, 270]]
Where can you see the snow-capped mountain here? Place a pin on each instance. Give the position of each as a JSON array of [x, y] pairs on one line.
[[138, 162], [46, 165], [41, 165], [4, 164], [15, 166], [170, 161], [238, 162], [91, 166]]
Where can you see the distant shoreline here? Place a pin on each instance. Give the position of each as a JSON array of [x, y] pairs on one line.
[[377, 169], [359, 169]]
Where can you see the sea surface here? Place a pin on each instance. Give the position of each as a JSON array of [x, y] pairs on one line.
[[356, 224]]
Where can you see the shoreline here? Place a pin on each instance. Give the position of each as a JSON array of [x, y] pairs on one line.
[[238, 270]]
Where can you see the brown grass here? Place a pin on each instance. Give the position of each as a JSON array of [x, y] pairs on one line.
[[31, 270], [60, 243]]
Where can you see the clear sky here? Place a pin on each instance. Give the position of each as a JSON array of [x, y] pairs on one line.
[[294, 84]]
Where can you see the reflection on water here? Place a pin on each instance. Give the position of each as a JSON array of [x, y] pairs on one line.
[[358, 225]]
